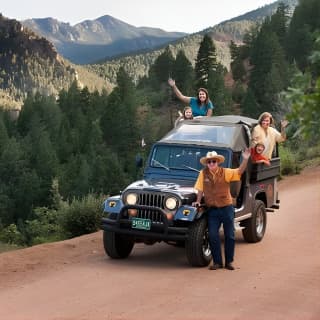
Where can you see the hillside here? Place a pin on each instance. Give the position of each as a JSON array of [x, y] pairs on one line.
[[31, 64], [137, 65], [93, 40]]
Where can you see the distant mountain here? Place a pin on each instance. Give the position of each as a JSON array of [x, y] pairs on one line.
[[137, 65], [30, 64], [93, 40]]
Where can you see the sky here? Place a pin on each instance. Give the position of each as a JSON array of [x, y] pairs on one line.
[[170, 15]]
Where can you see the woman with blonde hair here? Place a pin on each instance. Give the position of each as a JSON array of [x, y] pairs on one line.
[[265, 132]]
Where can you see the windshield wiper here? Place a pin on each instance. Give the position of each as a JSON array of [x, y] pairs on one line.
[[190, 168], [160, 164]]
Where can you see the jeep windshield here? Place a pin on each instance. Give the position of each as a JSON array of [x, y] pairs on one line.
[[212, 134], [177, 157], [224, 135]]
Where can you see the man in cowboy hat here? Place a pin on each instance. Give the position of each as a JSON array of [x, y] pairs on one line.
[[213, 184]]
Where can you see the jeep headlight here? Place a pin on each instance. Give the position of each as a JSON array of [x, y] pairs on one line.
[[131, 198], [171, 203]]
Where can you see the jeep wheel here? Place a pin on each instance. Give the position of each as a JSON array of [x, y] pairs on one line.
[[197, 245], [117, 246], [255, 227]]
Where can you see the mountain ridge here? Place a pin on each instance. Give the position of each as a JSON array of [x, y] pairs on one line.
[[92, 40]]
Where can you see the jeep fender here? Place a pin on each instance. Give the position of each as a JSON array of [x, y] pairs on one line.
[[113, 205], [187, 213]]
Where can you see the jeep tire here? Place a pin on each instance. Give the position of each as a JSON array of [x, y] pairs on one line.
[[117, 246], [197, 245], [255, 227]]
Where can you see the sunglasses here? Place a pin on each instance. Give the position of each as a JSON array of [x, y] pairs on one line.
[[211, 161]]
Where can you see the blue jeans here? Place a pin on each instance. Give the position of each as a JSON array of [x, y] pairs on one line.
[[216, 217]]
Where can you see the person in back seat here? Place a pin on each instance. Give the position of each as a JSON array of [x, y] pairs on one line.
[[268, 135], [257, 156], [186, 115], [200, 105]]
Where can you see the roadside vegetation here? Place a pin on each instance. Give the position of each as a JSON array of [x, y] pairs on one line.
[[61, 157]]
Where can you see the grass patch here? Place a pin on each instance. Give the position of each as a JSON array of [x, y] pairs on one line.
[[8, 247], [315, 162]]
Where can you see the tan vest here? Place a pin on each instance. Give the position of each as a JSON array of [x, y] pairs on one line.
[[216, 189]]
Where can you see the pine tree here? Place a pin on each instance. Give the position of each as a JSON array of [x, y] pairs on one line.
[[81, 183], [70, 102], [267, 59], [182, 72], [110, 178], [219, 95], [42, 158], [119, 120], [249, 105], [19, 186], [301, 39], [279, 23], [237, 67], [163, 66], [27, 111], [206, 61]]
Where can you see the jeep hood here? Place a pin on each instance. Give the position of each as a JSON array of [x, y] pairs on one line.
[[179, 186]]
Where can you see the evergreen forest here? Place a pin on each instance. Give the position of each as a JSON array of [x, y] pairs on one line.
[[63, 155]]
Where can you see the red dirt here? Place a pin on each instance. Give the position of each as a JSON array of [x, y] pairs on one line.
[[278, 278]]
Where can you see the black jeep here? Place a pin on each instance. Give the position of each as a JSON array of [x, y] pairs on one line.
[[159, 207]]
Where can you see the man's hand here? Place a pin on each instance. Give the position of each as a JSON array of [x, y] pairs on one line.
[[246, 154]]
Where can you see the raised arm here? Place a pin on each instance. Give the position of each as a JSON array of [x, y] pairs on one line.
[[284, 124], [245, 157], [177, 92]]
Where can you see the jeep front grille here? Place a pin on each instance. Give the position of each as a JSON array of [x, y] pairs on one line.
[[151, 205], [154, 215], [151, 199]]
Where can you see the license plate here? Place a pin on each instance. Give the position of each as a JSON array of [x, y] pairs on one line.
[[143, 224]]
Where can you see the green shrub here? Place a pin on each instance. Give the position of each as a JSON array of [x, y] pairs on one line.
[[313, 152], [305, 152], [45, 227], [289, 163], [11, 235], [82, 216]]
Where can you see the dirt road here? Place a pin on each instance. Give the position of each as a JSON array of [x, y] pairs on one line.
[[278, 278]]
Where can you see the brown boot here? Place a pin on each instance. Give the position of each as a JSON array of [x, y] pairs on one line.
[[229, 266], [215, 266]]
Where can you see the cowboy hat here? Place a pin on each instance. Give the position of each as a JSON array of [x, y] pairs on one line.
[[212, 155]]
